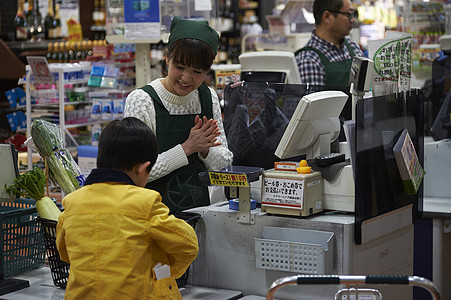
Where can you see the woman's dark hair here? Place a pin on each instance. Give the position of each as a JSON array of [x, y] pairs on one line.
[[125, 143], [320, 6], [191, 52]]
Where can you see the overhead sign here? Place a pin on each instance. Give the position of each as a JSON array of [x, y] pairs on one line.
[[142, 19]]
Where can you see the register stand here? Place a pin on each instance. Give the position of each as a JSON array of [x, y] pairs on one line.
[[249, 256]]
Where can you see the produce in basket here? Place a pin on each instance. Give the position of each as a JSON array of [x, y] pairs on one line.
[[63, 169], [32, 185]]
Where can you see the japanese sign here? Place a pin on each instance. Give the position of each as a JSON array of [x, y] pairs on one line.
[[228, 179], [392, 63], [284, 192]]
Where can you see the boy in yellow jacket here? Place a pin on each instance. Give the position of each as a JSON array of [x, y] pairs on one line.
[[113, 231]]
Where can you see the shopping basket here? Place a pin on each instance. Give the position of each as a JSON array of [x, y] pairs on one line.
[[22, 245], [58, 268], [191, 218], [352, 283]]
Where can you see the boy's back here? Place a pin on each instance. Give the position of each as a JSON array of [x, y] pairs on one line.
[[114, 234], [114, 231]]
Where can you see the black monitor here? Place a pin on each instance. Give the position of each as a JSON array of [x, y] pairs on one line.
[[255, 118]]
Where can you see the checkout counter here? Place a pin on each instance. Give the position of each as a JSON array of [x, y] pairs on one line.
[[376, 237], [436, 233], [228, 255]]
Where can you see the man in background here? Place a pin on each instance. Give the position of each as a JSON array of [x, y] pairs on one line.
[[326, 59]]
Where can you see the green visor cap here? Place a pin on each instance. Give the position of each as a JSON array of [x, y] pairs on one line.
[[199, 30]]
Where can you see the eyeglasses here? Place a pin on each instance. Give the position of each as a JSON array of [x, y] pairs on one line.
[[351, 15]]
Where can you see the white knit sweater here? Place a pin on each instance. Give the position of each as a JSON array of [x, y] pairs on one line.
[[140, 105]]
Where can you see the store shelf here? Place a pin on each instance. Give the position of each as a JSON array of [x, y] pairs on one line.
[[120, 39], [75, 125], [63, 78]]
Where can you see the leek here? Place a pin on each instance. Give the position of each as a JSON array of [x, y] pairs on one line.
[[63, 169]]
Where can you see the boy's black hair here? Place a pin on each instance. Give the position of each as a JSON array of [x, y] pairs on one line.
[[125, 143], [191, 52]]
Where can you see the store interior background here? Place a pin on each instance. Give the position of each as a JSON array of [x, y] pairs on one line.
[[233, 18]]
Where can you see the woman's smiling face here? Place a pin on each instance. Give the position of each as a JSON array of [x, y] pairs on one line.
[[182, 79]]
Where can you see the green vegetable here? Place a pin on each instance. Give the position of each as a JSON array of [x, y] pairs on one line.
[[47, 209], [32, 185], [63, 170]]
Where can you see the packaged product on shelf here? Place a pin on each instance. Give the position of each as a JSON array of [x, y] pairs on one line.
[[17, 120], [110, 71], [108, 82], [96, 111], [16, 97], [70, 94], [94, 81], [107, 109], [95, 133], [118, 109], [85, 69], [80, 93]]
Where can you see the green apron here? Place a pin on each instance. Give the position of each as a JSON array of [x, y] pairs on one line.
[[337, 73], [181, 189]]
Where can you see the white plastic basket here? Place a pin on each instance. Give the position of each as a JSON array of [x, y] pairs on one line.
[[294, 250]]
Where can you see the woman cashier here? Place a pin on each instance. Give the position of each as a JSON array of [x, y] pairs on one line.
[[185, 115]]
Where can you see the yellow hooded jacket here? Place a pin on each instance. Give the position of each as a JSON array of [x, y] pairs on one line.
[[113, 234]]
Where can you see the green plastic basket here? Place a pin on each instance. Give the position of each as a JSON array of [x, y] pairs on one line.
[[22, 246], [58, 268]]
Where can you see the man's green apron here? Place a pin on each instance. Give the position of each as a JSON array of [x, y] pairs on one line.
[[181, 189], [337, 73]]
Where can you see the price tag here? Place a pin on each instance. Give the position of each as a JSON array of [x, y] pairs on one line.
[[228, 179], [40, 69]]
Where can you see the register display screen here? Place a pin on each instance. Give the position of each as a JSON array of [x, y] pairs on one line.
[[379, 123], [255, 119]]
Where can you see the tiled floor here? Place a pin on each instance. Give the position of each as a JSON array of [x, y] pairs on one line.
[[42, 287]]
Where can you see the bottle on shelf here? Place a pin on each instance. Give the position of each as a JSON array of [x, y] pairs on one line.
[[49, 52], [66, 51], [89, 51], [102, 15], [61, 52], [78, 51], [84, 51], [28, 8], [55, 52], [20, 22], [49, 27], [29, 14], [98, 15], [72, 52], [38, 30], [57, 22]]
